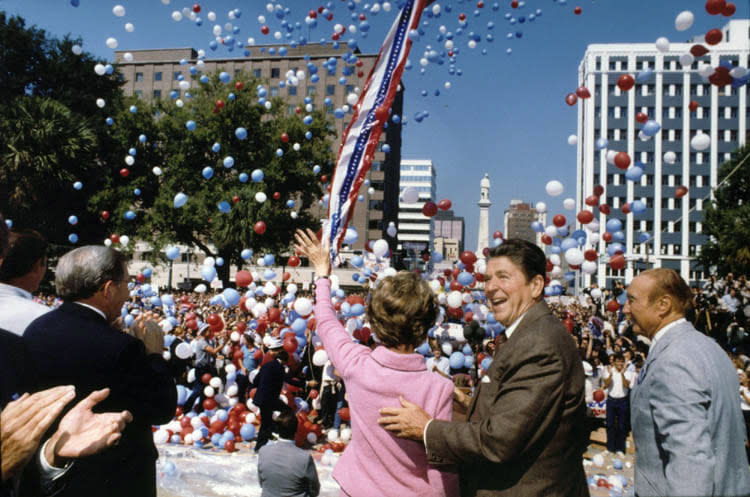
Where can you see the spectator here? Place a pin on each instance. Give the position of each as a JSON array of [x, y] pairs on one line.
[[283, 469], [269, 382], [617, 383], [731, 301], [77, 344], [20, 274], [205, 358], [439, 363]]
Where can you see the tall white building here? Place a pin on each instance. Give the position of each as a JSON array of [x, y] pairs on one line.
[[674, 225], [483, 239], [415, 230]]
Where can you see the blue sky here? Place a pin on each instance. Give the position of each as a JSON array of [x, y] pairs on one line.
[[505, 115]]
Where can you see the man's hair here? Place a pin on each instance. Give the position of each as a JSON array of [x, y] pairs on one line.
[[282, 355], [669, 282], [286, 422], [529, 258], [26, 249], [83, 271], [401, 310], [618, 356]]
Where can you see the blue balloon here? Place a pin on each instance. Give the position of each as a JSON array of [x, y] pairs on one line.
[[231, 296], [618, 236], [168, 300], [133, 109], [269, 259], [77, 185], [466, 349], [269, 274], [142, 138], [634, 173], [457, 360], [225, 77], [224, 207], [644, 76], [537, 227], [651, 128], [437, 257], [172, 253], [486, 363], [132, 152], [351, 236], [644, 237], [155, 301], [129, 215], [215, 148], [465, 278], [614, 225], [257, 175], [219, 261], [190, 125], [357, 261], [307, 120], [179, 200], [243, 177], [299, 325], [279, 152], [208, 172], [290, 204], [137, 192], [208, 273], [601, 144], [247, 432], [357, 310], [308, 135], [73, 220], [109, 121], [240, 133], [73, 238], [568, 243], [228, 161], [638, 207], [246, 254]]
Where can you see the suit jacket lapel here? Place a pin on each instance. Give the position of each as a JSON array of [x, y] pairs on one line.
[[658, 348]]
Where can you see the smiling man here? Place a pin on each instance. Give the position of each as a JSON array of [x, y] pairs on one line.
[[524, 433]]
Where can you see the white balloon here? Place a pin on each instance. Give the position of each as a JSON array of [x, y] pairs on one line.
[[555, 273], [551, 230], [447, 348], [572, 140], [99, 69], [166, 355], [100, 103], [738, 72], [455, 299], [596, 293], [574, 256], [184, 85], [129, 160], [201, 288], [686, 59], [569, 204], [124, 240], [352, 98], [177, 16], [161, 436], [705, 69], [260, 197], [215, 382], [333, 435], [183, 351], [594, 237], [209, 261], [380, 248], [128, 57], [611, 156], [684, 20], [346, 434], [179, 103], [320, 357], [700, 142], [312, 438], [540, 207], [107, 242], [670, 157], [662, 44], [554, 188], [598, 460], [157, 171], [554, 259], [77, 49], [208, 391], [410, 195], [129, 27], [118, 10], [435, 286], [235, 336], [303, 306]]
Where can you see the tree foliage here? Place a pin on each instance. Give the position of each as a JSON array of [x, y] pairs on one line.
[[183, 154], [727, 218]]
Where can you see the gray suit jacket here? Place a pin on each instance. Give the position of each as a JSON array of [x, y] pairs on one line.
[[525, 434], [688, 430], [284, 470]]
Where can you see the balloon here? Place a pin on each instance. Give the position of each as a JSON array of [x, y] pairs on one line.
[[554, 188], [457, 360], [662, 44], [208, 273], [625, 82], [454, 299], [559, 220], [634, 173], [380, 248], [444, 204], [585, 217], [651, 128], [680, 191], [260, 197], [429, 209], [574, 256], [179, 200], [571, 99], [260, 227], [257, 175], [713, 36], [617, 262], [569, 204], [572, 140], [700, 142], [638, 206], [320, 357], [410, 195], [172, 253], [240, 133], [622, 160], [613, 306], [670, 157], [303, 306], [684, 20]]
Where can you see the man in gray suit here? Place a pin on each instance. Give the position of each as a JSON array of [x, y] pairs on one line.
[[285, 470], [687, 426]]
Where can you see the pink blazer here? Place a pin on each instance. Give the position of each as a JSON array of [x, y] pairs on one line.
[[376, 463]]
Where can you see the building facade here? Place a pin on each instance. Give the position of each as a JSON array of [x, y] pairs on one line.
[[449, 234], [673, 225], [415, 230], [156, 74], [517, 222]]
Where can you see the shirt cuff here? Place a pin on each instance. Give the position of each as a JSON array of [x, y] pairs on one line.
[[424, 434], [49, 472]]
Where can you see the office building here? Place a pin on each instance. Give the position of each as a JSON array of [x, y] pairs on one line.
[[517, 222], [668, 160], [449, 234], [415, 230]]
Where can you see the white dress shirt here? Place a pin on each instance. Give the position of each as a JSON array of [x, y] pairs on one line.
[[17, 309], [662, 331]]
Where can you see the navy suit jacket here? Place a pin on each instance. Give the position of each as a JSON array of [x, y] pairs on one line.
[[73, 345], [269, 381]]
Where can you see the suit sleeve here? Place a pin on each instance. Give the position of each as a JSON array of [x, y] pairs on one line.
[[445, 478], [146, 384], [531, 393], [311, 474], [679, 399]]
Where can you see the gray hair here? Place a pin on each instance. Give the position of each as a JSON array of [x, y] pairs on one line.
[[81, 272]]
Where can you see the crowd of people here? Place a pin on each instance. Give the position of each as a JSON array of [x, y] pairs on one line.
[[378, 374]]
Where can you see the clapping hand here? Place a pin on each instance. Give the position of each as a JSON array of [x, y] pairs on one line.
[[309, 246], [146, 329]]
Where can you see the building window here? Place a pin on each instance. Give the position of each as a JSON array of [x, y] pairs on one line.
[[138, 77], [292, 90], [177, 75], [330, 89], [311, 91], [274, 91], [598, 63], [237, 72], [139, 94], [157, 94], [275, 72], [157, 76], [257, 73]]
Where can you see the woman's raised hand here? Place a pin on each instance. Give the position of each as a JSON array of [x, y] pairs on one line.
[[307, 244]]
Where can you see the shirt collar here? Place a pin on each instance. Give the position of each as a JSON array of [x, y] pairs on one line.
[[98, 311], [401, 362], [510, 329], [662, 331], [16, 290]]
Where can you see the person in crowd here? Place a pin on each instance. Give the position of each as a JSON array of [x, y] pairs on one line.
[[525, 430], [283, 468], [731, 301], [205, 360], [23, 268], [617, 383], [401, 310], [438, 363], [745, 406], [77, 345], [268, 383], [330, 394], [687, 425]]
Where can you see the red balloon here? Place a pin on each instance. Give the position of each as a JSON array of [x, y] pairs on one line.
[[583, 92], [571, 99], [243, 278], [219, 104], [625, 208], [598, 190], [622, 160], [196, 8], [598, 395], [429, 209], [260, 227], [456, 286], [444, 204], [285, 276], [497, 234], [604, 209], [721, 77], [241, 326], [105, 215], [290, 345], [229, 446], [698, 50], [213, 319], [285, 137], [192, 324], [546, 239], [235, 199], [613, 306], [641, 117], [274, 315], [264, 30], [559, 220], [714, 7], [592, 200], [324, 179], [276, 195], [238, 85], [115, 238], [461, 16], [344, 414], [607, 236], [467, 257], [590, 255], [514, 4], [713, 36], [617, 262], [625, 82], [140, 277], [729, 9], [680, 191], [693, 105], [577, 11], [209, 404], [293, 261], [585, 217], [124, 172]]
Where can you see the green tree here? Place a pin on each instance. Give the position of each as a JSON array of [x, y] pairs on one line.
[[182, 155], [727, 218]]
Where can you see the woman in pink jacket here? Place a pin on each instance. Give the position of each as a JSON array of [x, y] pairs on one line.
[[401, 310]]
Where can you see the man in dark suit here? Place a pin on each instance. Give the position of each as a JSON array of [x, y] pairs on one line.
[[283, 468], [525, 430], [78, 345], [268, 383]]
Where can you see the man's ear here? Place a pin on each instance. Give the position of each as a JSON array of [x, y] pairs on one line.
[[537, 286]]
